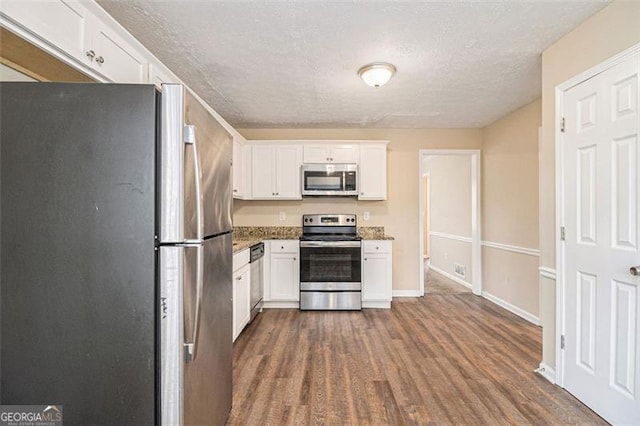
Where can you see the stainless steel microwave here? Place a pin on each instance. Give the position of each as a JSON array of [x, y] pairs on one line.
[[329, 179]]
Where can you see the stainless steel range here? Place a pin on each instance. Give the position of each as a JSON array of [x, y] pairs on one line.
[[330, 265]]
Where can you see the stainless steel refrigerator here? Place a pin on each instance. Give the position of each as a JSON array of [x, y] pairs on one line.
[[115, 254]]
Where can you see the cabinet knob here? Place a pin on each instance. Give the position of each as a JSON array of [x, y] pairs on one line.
[[366, 258], [377, 248], [281, 247], [91, 54], [100, 60], [294, 258], [239, 278], [235, 190], [277, 193], [362, 193]]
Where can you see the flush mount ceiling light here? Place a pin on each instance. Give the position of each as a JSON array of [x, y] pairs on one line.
[[376, 74]]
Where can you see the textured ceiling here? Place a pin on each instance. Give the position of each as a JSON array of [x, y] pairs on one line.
[[294, 63]]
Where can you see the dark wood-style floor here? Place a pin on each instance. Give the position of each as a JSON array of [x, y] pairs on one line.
[[440, 359]]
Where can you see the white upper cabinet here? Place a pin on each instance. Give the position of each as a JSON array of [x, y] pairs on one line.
[[69, 30], [61, 23], [241, 161], [330, 153], [275, 171], [110, 55], [372, 171]]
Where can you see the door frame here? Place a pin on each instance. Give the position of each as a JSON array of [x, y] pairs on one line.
[[560, 322], [476, 254]]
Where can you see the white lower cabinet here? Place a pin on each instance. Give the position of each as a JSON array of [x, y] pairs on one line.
[[376, 273], [241, 292], [283, 276]]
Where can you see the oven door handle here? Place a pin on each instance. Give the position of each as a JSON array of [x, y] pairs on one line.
[[330, 244]]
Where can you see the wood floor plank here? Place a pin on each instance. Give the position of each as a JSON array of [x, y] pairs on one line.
[[440, 359]]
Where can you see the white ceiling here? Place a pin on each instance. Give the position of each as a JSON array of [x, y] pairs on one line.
[[294, 63]]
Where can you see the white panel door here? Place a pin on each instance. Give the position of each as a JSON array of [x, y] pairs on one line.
[[601, 214]]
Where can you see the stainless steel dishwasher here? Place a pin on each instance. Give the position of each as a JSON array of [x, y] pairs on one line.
[[256, 260]]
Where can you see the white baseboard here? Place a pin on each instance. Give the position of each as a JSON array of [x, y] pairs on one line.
[[452, 277], [281, 305], [547, 372], [385, 304], [512, 308], [406, 293]]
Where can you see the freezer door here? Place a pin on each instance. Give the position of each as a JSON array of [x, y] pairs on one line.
[[195, 170], [214, 146], [207, 378]]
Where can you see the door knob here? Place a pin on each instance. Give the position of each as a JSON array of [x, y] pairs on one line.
[[635, 270]]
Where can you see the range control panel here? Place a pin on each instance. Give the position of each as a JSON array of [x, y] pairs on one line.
[[329, 220]]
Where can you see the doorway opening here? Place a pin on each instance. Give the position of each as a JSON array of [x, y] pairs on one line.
[[449, 221]]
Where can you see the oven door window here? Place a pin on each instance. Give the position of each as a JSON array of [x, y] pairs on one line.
[[330, 264], [322, 181]]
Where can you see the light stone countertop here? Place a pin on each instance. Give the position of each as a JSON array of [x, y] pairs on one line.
[[246, 236]]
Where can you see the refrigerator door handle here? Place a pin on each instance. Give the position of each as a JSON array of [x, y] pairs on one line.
[[190, 139], [191, 336]]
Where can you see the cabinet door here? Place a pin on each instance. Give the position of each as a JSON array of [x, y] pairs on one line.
[[241, 299], [330, 153], [288, 163], [60, 22], [238, 167], [263, 172], [315, 154], [285, 277], [113, 57], [344, 154], [373, 172], [375, 272]]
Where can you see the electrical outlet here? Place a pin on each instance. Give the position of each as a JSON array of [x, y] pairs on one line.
[[366, 216], [282, 216]]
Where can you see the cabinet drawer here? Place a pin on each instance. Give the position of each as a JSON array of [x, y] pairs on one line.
[[285, 246], [240, 259], [376, 246]]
